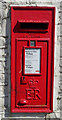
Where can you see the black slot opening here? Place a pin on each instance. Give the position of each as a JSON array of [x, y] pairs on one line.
[[34, 26], [31, 27]]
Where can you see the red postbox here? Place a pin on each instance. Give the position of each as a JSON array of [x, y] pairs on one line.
[[32, 59]]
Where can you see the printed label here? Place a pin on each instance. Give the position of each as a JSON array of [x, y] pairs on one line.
[[32, 60]]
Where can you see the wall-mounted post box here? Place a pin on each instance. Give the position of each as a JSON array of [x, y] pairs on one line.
[[32, 59]]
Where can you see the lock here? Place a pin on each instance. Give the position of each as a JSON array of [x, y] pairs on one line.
[[32, 59]]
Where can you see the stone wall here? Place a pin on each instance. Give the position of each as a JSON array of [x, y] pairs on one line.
[[5, 55]]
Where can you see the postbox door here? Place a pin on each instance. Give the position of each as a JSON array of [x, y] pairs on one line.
[[31, 72]]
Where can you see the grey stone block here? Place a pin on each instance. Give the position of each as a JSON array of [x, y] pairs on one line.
[[60, 52], [60, 3], [60, 62], [4, 27], [23, 118], [0, 11], [60, 77], [4, 77], [60, 29], [61, 69], [12, 1], [30, 119], [51, 115], [5, 14], [52, 118], [61, 85], [2, 42], [61, 104], [60, 17], [61, 41], [61, 115]]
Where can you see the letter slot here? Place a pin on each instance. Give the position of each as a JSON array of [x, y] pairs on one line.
[[33, 26]]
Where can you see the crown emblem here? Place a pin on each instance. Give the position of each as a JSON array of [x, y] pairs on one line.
[[33, 83]]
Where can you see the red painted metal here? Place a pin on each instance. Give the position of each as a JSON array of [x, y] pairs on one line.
[[32, 92]]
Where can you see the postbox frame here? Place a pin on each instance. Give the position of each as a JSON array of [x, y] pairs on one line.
[[49, 107]]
